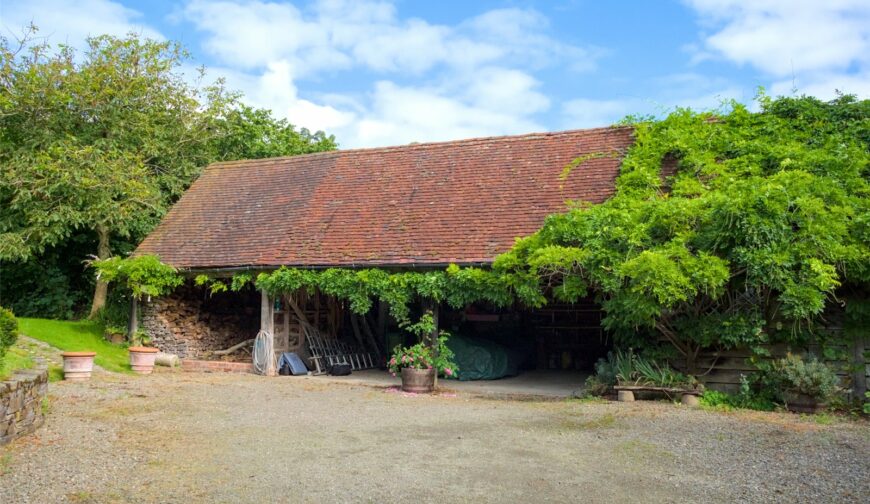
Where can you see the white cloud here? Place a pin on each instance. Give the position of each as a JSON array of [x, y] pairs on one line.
[[825, 85], [403, 114], [433, 81], [589, 113], [523, 34], [438, 82], [786, 37], [506, 90], [337, 34], [275, 89], [72, 22]]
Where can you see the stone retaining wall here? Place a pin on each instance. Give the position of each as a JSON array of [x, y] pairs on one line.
[[21, 403]]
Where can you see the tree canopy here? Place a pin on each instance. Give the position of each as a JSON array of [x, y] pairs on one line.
[[103, 141]]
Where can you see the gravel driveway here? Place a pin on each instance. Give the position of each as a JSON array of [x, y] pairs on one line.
[[187, 437]]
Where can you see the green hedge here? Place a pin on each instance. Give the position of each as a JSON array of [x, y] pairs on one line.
[[8, 330]]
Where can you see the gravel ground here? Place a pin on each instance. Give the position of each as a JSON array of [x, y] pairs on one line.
[[187, 437]]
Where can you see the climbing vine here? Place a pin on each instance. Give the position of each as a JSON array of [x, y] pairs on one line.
[[764, 222], [222, 284], [763, 225], [456, 286], [144, 275]]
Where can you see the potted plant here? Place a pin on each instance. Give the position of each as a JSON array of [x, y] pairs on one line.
[[77, 366], [420, 364], [115, 334], [806, 386], [142, 359]]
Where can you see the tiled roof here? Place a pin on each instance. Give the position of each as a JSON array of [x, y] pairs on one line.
[[416, 205]]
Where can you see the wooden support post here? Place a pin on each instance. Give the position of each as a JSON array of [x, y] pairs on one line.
[[356, 332], [370, 336], [859, 369], [433, 338], [133, 323], [300, 315], [267, 324], [382, 322]]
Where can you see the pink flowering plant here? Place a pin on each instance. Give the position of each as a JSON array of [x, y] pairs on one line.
[[424, 355]]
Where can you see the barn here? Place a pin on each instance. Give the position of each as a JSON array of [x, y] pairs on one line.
[[414, 207]]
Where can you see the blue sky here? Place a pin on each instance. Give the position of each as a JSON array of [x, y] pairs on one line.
[[382, 73]]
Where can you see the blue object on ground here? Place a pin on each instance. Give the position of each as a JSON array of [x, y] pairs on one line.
[[297, 367]]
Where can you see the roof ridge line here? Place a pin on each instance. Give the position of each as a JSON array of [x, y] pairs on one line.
[[413, 145]]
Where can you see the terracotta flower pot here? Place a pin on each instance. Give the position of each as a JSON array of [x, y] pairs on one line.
[[142, 359], [420, 381], [77, 366]]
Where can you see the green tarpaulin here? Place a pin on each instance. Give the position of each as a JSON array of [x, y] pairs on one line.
[[480, 359]]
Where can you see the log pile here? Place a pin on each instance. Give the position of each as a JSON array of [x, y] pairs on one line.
[[190, 326]]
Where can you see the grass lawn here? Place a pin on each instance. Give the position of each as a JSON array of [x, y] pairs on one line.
[[16, 358], [78, 336]]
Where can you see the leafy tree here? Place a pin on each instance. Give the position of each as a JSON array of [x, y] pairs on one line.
[[106, 140], [250, 133], [99, 141], [766, 216]]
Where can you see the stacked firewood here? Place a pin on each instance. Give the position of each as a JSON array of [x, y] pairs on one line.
[[181, 324]]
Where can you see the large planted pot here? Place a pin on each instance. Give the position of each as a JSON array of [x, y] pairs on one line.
[[803, 403], [420, 381], [77, 366], [142, 359]]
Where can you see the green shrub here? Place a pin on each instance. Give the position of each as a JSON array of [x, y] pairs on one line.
[[745, 399], [116, 313], [867, 403], [8, 330], [754, 398], [425, 354], [795, 375], [629, 368], [714, 399]]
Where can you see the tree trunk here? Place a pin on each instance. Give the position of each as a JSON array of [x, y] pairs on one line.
[[691, 363], [133, 323], [102, 288]]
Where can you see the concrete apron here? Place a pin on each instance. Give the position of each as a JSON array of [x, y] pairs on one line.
[[551, 384]]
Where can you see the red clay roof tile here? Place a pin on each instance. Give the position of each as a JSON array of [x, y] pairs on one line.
[[415, 205]]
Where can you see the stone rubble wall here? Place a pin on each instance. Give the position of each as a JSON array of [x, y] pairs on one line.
[[21, 398], [192, 325]]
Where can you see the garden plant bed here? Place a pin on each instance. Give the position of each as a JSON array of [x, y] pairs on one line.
[[242, 438]]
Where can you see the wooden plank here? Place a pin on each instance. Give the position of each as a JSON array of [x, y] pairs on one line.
[[356, 332], [370, 336], [382, 320], [724, 376], [644, 388], [300, 315], [859, 374]]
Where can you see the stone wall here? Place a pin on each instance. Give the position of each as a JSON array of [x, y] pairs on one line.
[[193, 323], [21, 403]]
